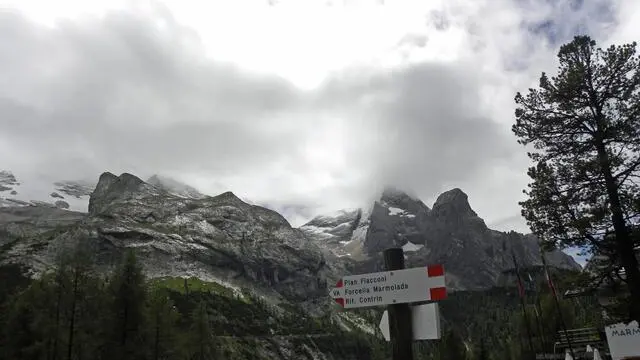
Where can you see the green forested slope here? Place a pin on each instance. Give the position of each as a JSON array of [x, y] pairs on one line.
[[74, 313]]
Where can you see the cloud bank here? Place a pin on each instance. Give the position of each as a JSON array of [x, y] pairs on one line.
[[152, 90]]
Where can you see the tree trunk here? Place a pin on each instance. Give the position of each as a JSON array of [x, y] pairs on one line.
[[57, 324], [623, 240], [201, 341], [125, 295], [73, 312], [156, 345]]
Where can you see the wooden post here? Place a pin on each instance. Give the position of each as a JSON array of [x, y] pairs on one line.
[[399, 314]]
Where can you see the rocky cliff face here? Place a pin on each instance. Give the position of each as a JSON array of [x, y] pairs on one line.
[[450, 233], [217, 238]]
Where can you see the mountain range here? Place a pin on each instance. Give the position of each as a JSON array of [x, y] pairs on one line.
[[450, 233], [179, 231]]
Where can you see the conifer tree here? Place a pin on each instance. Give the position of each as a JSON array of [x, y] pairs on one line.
[[163, 318], [584, 128], [451, 346], [201, 334], [126, 292]]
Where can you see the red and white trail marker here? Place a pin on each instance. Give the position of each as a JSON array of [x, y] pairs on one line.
[[391, 287]]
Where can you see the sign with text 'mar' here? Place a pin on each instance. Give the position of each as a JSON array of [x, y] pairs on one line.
[[624, 340], [391, 287]]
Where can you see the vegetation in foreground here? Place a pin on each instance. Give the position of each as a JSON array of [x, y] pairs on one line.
[[75, 313]]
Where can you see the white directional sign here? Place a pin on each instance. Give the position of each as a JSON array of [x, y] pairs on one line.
[[391, 287], [425, 320], [624, 340]]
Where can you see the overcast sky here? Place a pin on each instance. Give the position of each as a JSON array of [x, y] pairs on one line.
[[305, 106]]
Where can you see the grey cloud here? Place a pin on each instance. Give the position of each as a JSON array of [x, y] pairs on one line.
[[414, 40], [118, 94], [438, 19], [548, 19], [129, 94], [425, 126]]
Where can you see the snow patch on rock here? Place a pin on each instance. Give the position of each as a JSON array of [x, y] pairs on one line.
[[319, 232], [394, 211], [410, 247], [15, 191], [206, 228], [337, 214]]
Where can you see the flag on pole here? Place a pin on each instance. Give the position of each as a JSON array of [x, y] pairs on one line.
[[548, 277], [555, 298], [533, 288], [522, 302], [520, 286]]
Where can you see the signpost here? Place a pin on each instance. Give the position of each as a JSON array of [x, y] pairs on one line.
[[397, 287], [391, 287]]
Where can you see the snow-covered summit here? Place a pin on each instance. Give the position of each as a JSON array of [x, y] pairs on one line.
[[16, 190], [34, 191], [346, 232]]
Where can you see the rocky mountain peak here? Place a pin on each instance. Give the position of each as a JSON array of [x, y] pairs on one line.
[[109, 182], [393, 197], [454, 201], [451, 234], [130, 181], [111, 187], [395, 219], [104, 181], [393, 194], [229, 195]]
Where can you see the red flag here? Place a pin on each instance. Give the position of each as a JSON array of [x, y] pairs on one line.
[[555, 297], [520, 286], [522, 301], [549, 281], [547, 275]]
